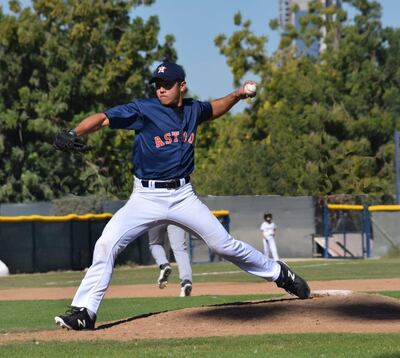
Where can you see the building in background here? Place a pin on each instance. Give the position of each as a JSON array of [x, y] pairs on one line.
[[288, 17]]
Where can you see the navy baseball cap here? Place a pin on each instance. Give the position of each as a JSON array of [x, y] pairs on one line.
[[168, 71]]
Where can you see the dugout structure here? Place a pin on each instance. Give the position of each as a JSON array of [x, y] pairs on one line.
[[347, 232], [357, 231]]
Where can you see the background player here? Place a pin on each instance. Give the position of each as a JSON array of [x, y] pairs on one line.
[[163, 159], [177, 241], [268, 229]]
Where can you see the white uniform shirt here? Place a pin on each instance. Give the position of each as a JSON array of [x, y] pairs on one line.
[[268, 229]]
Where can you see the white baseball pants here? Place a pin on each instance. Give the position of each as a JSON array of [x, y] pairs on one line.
[[149, 207], [270, 246], [177, 240]]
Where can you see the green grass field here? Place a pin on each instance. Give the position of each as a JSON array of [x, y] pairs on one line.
[[38, 315], [279, 345], [218, 272]]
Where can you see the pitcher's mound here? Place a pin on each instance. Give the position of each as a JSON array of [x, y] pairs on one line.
[[323, 313]]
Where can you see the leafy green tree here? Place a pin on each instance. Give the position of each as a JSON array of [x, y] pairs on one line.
[[228, 161], [60, 61], [364, 76], [325, 124]]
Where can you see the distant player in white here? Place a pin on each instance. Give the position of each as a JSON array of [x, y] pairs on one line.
[[177, 240], [268, 229]]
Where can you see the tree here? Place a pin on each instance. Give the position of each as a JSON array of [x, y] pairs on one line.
[[228, 162], [326, 122], [60, 61]]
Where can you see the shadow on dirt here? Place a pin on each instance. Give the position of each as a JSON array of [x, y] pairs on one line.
[[361, 307], [370, 311]]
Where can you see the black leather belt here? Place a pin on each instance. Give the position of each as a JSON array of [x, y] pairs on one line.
[[166, 184]]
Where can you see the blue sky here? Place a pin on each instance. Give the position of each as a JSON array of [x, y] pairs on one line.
[[195, 24]]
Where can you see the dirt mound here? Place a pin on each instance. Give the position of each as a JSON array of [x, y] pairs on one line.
[[359, 313]]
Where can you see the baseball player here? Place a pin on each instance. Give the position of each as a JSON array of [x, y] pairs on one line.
[[177, 240], [163, 159], [268, 229]]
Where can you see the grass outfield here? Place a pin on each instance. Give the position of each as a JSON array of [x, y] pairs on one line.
[[218, 272], [38, 315], [279, 345]]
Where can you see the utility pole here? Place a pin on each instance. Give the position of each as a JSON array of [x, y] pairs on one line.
[[397, 164]]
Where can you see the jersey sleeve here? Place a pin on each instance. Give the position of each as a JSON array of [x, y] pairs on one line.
[[125, 116], [205, 111]]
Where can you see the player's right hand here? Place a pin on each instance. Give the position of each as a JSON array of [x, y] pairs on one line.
[[247, 92]]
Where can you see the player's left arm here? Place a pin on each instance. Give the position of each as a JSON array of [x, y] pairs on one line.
[[69, 141], [92, 124], [222, 105]]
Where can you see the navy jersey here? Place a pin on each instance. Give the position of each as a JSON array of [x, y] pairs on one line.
[[164, 143]]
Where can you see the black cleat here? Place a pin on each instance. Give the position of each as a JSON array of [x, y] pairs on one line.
[[186, 288], [165, 271], [292, 282], [76, 318]]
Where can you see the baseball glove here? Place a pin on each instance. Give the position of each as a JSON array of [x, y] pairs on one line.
[[68, 141]]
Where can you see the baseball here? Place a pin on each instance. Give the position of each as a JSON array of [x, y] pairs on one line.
[[250, 89]]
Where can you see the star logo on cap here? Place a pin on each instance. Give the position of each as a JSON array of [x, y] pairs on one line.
[[161, 69]]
